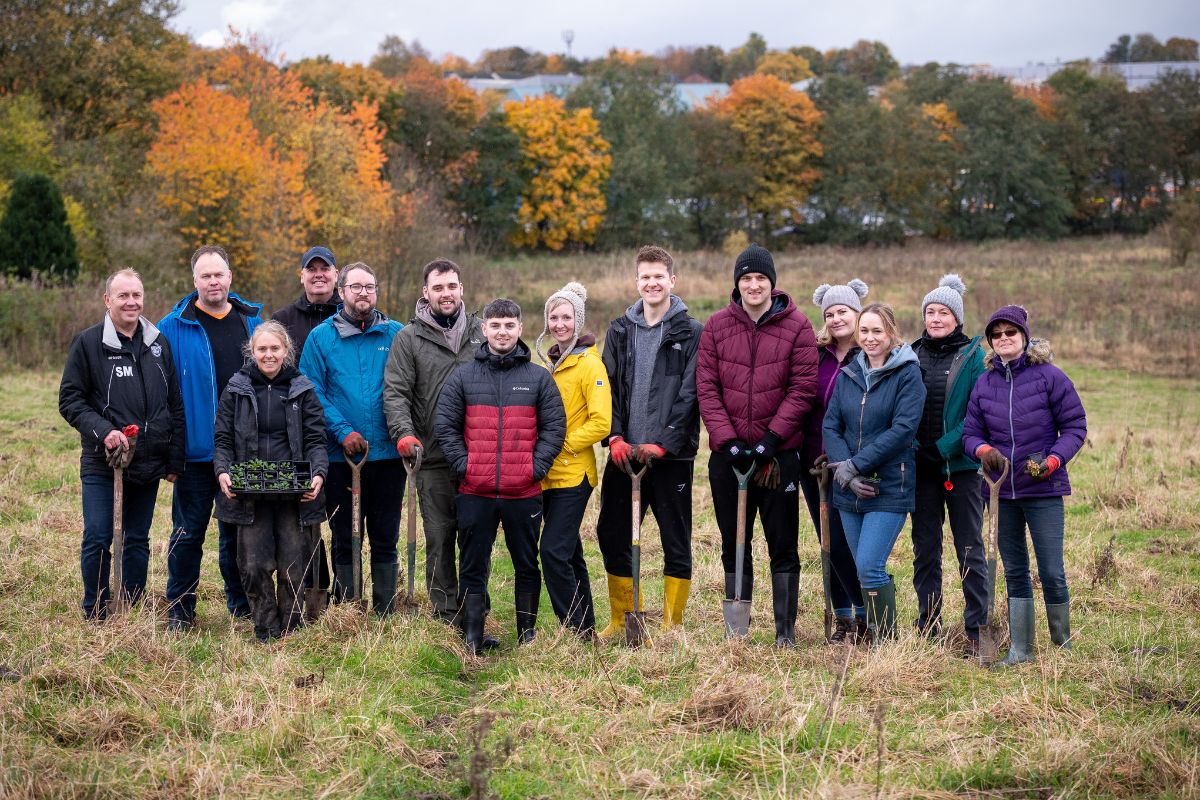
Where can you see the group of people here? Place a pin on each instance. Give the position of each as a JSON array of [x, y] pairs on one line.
[[497, 440]]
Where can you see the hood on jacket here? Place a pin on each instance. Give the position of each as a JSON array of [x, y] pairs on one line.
[[635, 311], [347, 328], [859, 367], [245, 379], [1037, 352], [304, 304], [781, 302], [111, 339]]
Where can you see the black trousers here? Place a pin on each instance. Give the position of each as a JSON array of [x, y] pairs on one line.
[[382, 497], [561, 548], [478, 518], [844, 587], [666, 490], [779, 510], [272, 554], [965, 506]]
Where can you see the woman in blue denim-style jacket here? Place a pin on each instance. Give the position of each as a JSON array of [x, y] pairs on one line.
[[869, 430]]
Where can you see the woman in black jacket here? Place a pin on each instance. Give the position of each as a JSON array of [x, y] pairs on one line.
[[270, 412]]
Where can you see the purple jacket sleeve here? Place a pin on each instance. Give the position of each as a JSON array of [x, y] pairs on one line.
[[1069, 417], [801, 393]]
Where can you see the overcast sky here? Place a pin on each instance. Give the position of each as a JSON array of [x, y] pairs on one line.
[[997, 32]]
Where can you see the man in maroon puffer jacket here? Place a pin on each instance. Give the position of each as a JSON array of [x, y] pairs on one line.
[[500, 423], [756, 377]]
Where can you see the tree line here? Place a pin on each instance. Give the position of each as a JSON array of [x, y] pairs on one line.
[[142, 144]]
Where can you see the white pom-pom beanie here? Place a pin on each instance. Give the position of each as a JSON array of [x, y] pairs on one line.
[[850, 294], [950, 294]]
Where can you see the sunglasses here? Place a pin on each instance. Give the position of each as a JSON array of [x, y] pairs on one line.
[[1007, 333]]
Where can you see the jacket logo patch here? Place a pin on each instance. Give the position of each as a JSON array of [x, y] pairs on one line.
[[123, 372], [520, 389], [156, 349], [676, 346], [599, 383], [383, 349]]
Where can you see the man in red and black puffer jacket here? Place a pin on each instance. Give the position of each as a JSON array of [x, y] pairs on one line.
[[756, 378], [500, 423]]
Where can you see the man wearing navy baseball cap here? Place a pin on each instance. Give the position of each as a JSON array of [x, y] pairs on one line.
[[318, 276]]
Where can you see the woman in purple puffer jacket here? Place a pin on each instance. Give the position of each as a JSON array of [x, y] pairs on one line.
[[1026, 410]]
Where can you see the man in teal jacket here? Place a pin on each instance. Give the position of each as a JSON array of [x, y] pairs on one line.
[[206, 330], [345, 357]]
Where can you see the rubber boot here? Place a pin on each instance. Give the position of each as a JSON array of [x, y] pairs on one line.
[[1020, 629], [383, 587], [785, 593], [1059, 617], [675, 595], [881, 611], [473, 613], [343, 580], [620, 600], [747, 585], [527, 608]]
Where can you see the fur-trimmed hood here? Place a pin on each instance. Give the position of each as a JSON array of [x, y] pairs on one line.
[[1038, 352]]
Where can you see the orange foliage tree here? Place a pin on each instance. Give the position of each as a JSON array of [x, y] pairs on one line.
[[565, 163], [776, 129], [225, 182], [332, 188]]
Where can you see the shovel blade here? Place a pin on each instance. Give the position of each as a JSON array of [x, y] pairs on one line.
[[635, 629], [737, 618], [989, 646]]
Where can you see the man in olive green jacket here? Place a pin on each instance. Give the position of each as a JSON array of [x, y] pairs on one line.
[[442, 335]]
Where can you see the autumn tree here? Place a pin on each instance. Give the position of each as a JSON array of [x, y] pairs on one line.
[[564, 164], [487, 194], [776, 129], [228, 184], [340, 85], [788, 67], [742, 61], [432, 118], [95, 64], [26, 141], [395, 56]]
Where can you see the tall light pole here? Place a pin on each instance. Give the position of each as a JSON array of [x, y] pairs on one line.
[[568, 37]]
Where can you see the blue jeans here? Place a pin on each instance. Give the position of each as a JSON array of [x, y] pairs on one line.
[[191, 510], [95, 557], [871, 537], [1044, 516]]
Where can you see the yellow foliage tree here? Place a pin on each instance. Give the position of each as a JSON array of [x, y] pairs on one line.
[[225, 182], [565, 163], [786, 66], [776, 128]]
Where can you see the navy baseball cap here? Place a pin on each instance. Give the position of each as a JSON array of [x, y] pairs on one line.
[[323, 253]]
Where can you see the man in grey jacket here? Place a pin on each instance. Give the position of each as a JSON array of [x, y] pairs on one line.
[[441, 336]]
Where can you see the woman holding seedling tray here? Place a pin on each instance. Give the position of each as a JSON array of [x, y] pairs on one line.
[[270, 460]]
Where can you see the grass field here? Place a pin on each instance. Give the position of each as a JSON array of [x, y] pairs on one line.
[[354, 707]]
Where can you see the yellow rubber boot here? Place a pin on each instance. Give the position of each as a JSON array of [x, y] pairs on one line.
[[620, 600], [675, 595]]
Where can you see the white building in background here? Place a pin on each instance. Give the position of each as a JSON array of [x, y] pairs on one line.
[[1137, 75]]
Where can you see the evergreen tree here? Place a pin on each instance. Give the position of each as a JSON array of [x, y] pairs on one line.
[[34, 234]]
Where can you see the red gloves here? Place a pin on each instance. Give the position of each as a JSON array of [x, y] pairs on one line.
[[354, 443], [407, 446], [619, 450], [645, 452], [1041, 470]]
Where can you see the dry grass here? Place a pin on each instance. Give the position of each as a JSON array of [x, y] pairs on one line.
[[352, 707]]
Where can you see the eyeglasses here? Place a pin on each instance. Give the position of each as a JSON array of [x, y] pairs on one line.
[[363, 288], [1009, 333]]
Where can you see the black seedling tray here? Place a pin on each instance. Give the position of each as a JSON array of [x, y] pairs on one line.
[[271, 478]]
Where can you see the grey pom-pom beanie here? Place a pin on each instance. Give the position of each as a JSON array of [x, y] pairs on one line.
[[849, 294], [950, 294]]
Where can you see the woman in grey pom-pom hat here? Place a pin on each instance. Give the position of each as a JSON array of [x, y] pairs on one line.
[[947, 479], [836, 344]]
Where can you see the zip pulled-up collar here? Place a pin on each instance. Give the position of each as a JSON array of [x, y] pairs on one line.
[[111, 339]]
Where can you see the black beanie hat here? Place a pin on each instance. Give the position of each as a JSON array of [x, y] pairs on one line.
[[754, 259]]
